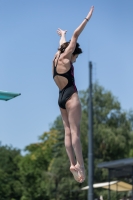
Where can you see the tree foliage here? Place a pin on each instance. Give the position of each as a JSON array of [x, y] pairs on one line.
[[43, 172], [10, 183]]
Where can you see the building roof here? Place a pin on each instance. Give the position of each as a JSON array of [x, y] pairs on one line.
[[119, 168], [116, 163]]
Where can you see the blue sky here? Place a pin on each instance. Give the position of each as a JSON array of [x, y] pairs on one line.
[[28, 42]]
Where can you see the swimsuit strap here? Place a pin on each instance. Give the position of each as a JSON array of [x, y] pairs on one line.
[[57, 59]]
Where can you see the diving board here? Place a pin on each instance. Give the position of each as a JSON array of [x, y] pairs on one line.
[[8, 95]]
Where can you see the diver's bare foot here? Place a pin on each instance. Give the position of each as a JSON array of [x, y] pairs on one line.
[[81, 172], [75, 173]]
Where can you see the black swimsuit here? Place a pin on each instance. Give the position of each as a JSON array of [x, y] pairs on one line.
[[69, 89]]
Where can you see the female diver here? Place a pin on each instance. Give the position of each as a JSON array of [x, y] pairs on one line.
[[69, 103]]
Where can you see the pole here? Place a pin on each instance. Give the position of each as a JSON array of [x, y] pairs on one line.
[[132, 182], [109, 184], [90, 137]]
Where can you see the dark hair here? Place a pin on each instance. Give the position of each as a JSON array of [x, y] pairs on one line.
[[77, 50]]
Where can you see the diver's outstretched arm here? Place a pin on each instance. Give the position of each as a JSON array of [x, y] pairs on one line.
[[62, 34], [70, 49], [80, 28]]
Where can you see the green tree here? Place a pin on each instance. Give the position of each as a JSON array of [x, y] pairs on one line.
[[112, 133], [43, 173], [10, 184], [34, 166], [113, 137]]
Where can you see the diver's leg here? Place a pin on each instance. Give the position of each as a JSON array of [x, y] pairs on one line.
[[73, 107]]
